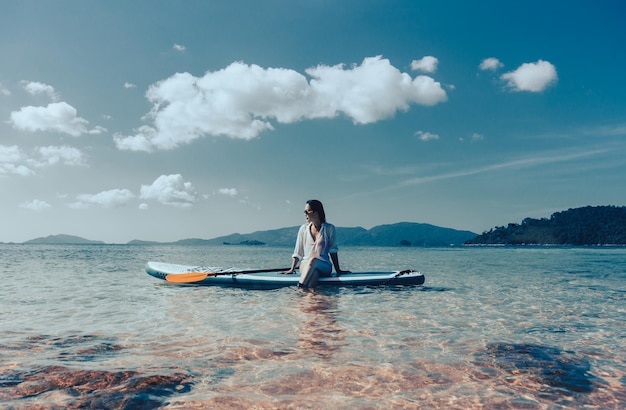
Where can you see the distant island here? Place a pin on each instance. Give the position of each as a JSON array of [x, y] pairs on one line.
[[399, 234], [250, 242], [586, 226], [63, 240]]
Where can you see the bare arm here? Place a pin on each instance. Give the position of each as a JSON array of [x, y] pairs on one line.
[[294, 263], [335, 259]]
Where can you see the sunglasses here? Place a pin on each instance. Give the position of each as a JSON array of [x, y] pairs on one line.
[[308, 212]]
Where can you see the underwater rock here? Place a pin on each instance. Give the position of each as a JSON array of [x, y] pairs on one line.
[[97, 388], [557, 370]]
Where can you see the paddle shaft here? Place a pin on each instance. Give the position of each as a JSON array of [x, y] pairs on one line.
[[191, 277]]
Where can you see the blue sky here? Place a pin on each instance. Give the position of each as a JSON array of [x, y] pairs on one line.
[[163, 120]]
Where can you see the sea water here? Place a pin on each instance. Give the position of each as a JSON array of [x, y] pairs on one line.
[[528, 327]]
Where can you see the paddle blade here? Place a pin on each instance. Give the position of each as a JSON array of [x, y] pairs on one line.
[[189, 277]]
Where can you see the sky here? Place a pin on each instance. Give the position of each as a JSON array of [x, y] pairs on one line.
[[165, 120]]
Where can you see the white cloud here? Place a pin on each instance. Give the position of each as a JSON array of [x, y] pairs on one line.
[[11, 158], [227, 191], [10, 154], [78, 205], [142, 141], [373, 91], [14, 161], [108, 199], [179, 47], [60, 117], [4, 90], [97, 130], [426, 136], [427, 64], [35, 205], [129, 85], [170, 190], [475, 137], [240, 100], [35, 88], [532, 77], [65, 155], [491, 64]]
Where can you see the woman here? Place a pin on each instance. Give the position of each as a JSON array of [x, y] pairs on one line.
[[316, 248]]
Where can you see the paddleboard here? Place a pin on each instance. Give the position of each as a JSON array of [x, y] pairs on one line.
[[262, 279]]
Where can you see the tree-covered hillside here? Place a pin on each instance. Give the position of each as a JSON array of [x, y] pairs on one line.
[[590, 225]]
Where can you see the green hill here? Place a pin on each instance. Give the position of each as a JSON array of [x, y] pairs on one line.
[[599, 225], [407, 234]]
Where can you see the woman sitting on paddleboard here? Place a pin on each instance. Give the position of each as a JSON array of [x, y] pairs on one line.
[[316, 248]]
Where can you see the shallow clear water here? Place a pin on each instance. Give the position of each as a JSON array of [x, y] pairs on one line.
[[537, 327]]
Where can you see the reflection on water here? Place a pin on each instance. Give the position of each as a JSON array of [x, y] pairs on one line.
[[319, 332]]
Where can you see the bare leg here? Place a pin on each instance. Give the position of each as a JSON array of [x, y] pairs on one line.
[[311, 273]]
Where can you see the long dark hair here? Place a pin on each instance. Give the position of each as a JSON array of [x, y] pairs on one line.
[[316, 206]]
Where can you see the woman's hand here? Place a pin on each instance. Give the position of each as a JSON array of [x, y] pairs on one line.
[[291, 270]]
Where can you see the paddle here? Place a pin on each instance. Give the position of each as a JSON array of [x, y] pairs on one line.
[[190, 277]]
